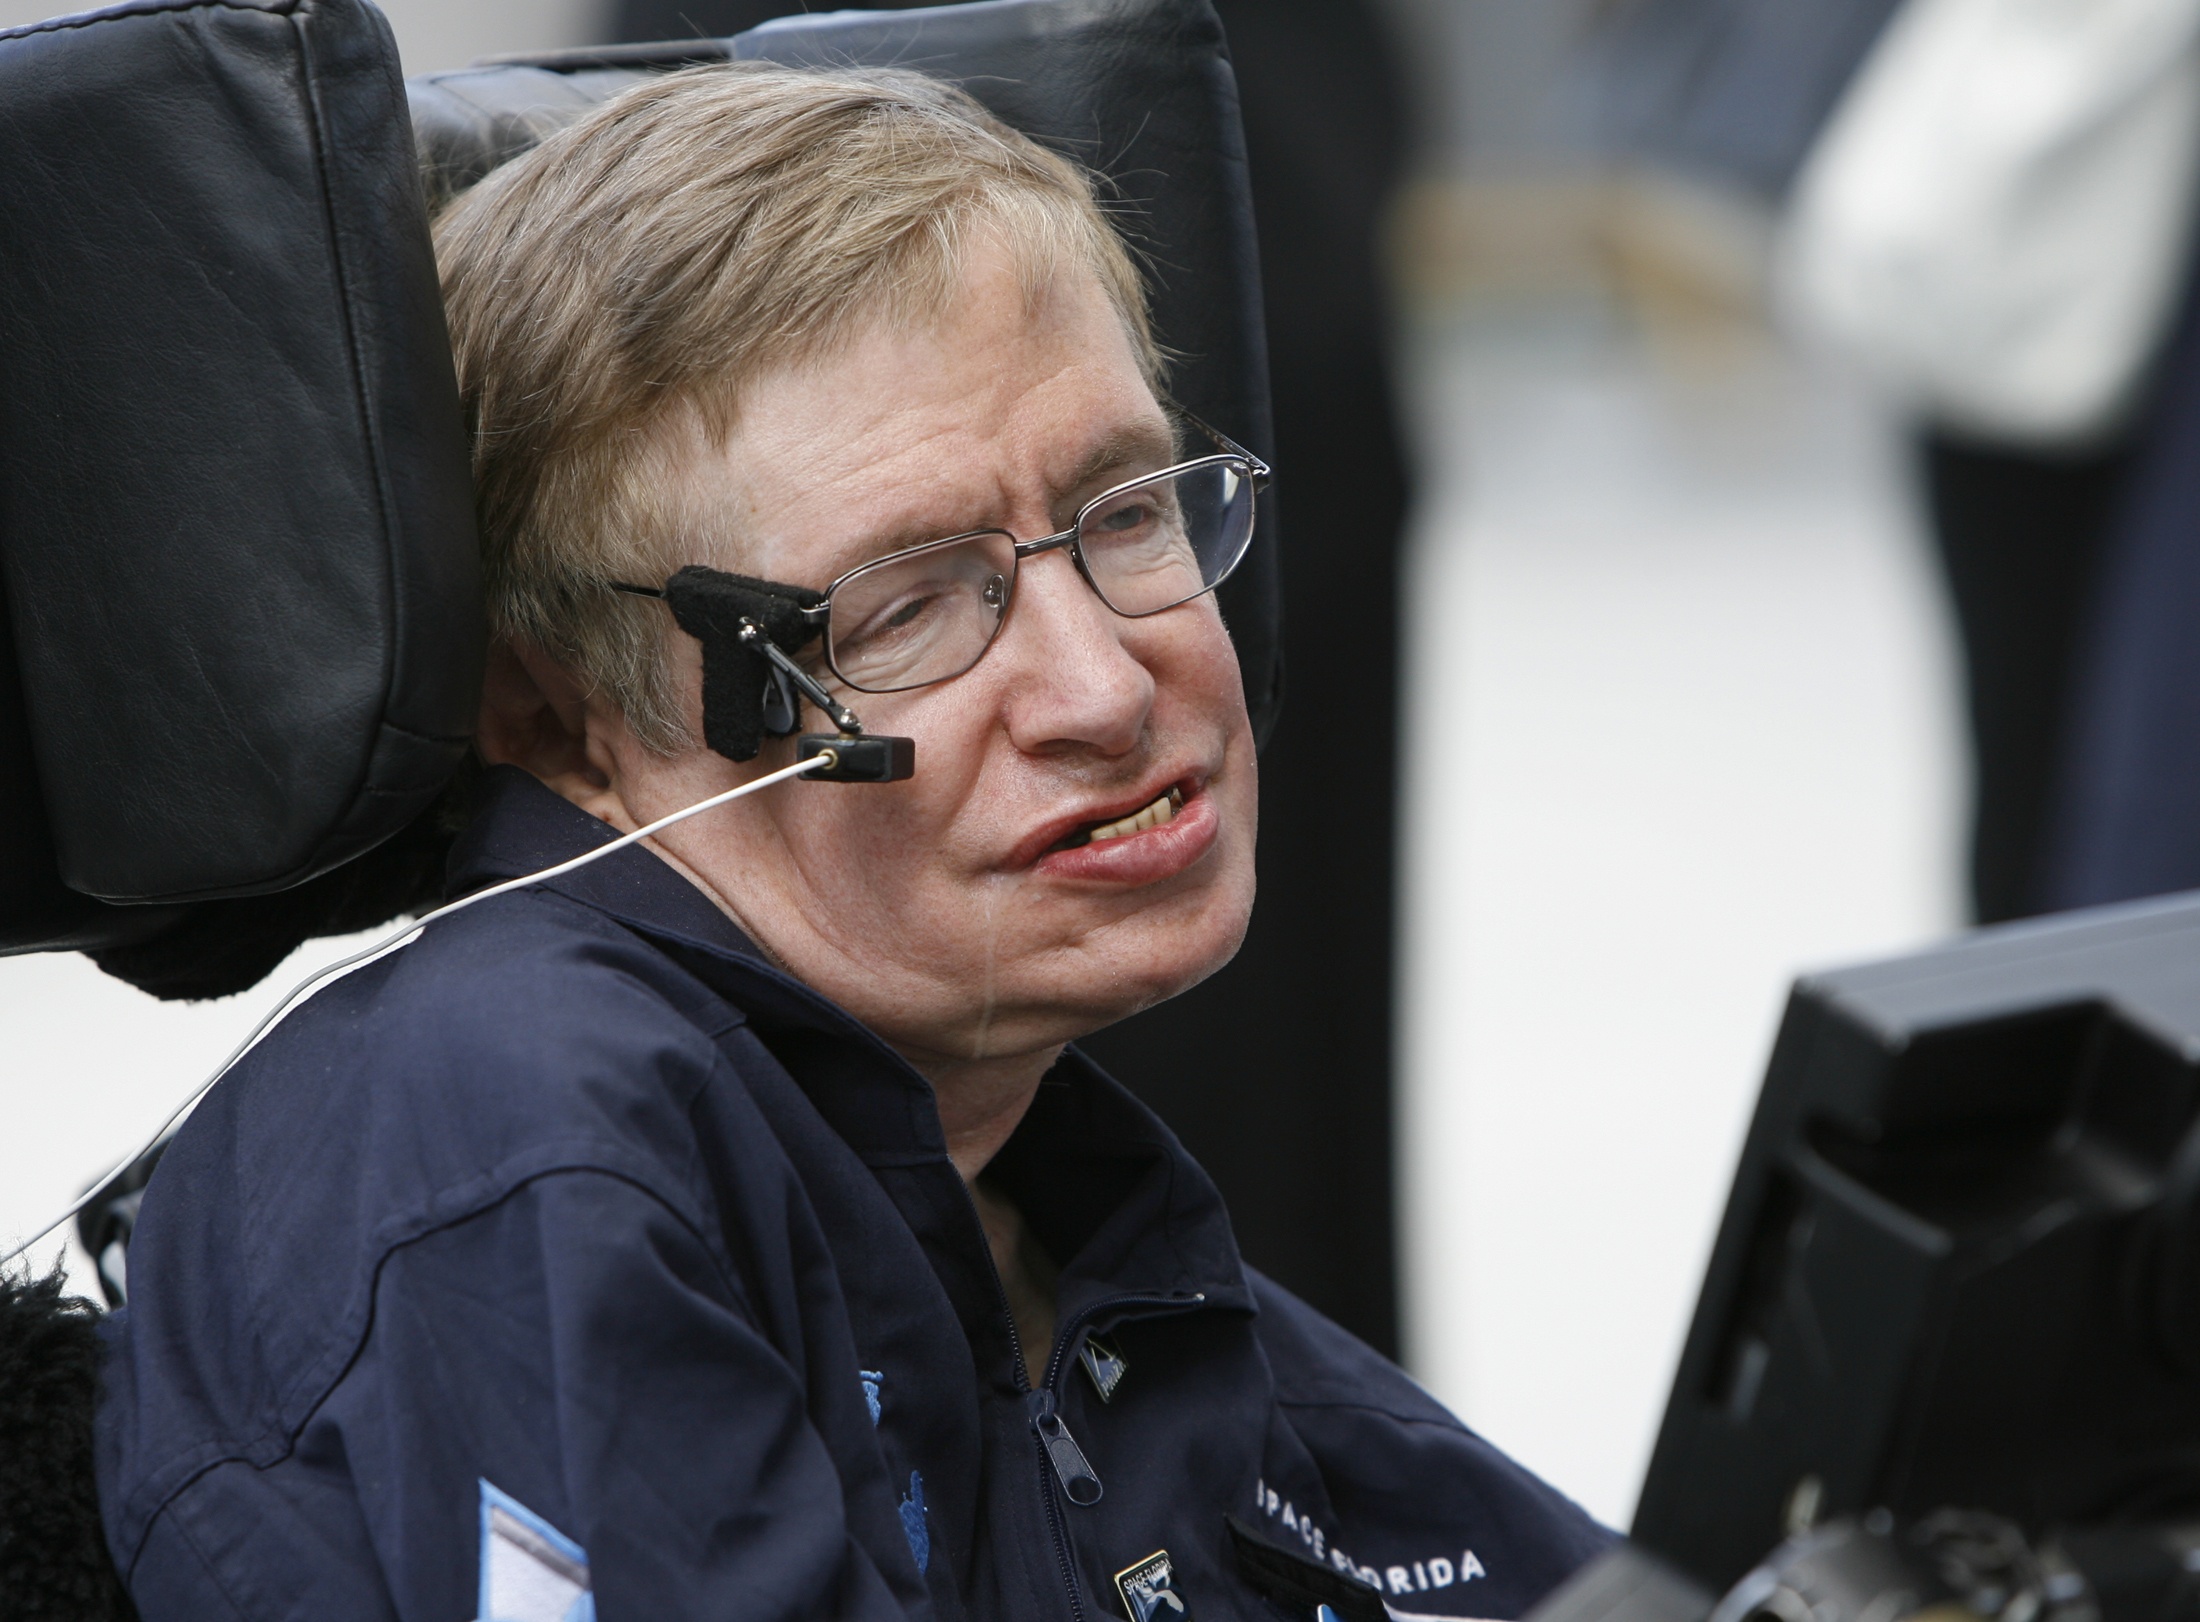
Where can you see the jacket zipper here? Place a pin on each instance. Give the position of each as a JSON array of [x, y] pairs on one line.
[[1060, 1533], [1079, 1484], [1057, 1448]]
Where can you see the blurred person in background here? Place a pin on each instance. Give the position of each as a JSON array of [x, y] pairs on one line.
[[1996, 225], [1988, 209], [1277, 1073]]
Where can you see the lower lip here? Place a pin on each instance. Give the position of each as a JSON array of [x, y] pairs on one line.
[[1141, 858]]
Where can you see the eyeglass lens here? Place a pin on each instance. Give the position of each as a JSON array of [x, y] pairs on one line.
[[929, 614]]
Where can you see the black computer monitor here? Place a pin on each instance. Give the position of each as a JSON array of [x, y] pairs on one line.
[[1960, 1265]]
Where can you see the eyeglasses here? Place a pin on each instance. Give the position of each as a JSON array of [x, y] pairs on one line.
[[928, 613]]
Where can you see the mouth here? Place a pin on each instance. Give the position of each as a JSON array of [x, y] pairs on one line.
[[1163, 809]]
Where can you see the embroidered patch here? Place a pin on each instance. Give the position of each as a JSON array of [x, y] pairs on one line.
[[912, 1522], [1103, 1364], [1429, 1572], [530, 1571], [1149, 1590], [872, 1380]]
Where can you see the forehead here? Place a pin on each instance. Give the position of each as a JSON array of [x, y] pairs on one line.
[[1014, 404]]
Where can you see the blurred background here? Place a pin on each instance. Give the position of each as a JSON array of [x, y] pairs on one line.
[[1789, 562]]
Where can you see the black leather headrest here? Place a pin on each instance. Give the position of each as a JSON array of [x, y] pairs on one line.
[[1139, 90], [242, 634]]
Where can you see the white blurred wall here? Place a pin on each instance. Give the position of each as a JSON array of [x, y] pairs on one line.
[[1686, 698], [89, 1070], [1690, 724]]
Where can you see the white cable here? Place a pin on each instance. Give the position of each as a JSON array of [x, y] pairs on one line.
[[390, 943]]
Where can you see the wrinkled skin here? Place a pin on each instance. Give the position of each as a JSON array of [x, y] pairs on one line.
[[931, 909]]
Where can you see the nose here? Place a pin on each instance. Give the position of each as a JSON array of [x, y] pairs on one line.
[[1073, 684]]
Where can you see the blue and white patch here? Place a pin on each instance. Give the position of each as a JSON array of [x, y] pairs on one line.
[[912, 1522], [530, 1571], [1149, 1590], [873, 1380]]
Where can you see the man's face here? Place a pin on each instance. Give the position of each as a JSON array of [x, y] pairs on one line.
[[948, 912]]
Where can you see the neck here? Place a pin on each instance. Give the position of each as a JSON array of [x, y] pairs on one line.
[[982, 1100]]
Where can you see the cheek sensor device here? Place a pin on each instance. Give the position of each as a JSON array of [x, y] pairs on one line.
[[851, 755], [750, 631]]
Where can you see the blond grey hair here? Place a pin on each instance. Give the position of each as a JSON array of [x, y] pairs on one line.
[[619, 286]]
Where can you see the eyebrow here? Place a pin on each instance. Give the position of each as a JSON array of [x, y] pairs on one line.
[[1119, 450], [1115, 453]]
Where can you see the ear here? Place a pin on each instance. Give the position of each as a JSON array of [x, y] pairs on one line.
[[535, 716]]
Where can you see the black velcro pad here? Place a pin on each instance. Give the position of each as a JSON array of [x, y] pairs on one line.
[[711, 606], [236, 521]]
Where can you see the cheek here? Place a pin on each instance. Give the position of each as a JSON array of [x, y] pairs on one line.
[[1207, 689], [861, 842], [878, 847], [871, 845], [1195, 667], [683, 657]]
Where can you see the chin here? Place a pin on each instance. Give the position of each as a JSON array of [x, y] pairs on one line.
[[1151, 956]]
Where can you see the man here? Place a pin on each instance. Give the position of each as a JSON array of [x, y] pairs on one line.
[[725, 1229], [1305, 1005]]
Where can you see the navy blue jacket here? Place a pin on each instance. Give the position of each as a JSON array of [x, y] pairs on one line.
[[577, 1211]]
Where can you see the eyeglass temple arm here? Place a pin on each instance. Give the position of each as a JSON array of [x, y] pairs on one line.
[[758, 641], [842, 717], [1261, 470]]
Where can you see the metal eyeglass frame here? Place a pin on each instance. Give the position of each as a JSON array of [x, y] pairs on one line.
[[819, 615]]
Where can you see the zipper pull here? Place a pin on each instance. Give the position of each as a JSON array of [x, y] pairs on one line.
[[1070, 1466]]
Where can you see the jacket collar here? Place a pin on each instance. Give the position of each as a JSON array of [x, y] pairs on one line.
[[1105, 1184], [520, 826]]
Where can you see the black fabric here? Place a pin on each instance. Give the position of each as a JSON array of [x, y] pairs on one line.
[[54, 1565], [469, 121], [1297, 1583], [2021, 538], [2127, 810], [1277, 1072], [238, 551], [37, 911], [712, 606], [579, 1196], [217, 949]]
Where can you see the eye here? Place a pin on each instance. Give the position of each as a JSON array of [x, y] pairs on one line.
[[893, 617], [921, 617], [1128, 516]]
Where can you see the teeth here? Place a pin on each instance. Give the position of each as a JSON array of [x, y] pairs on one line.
[[1153, 816]]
